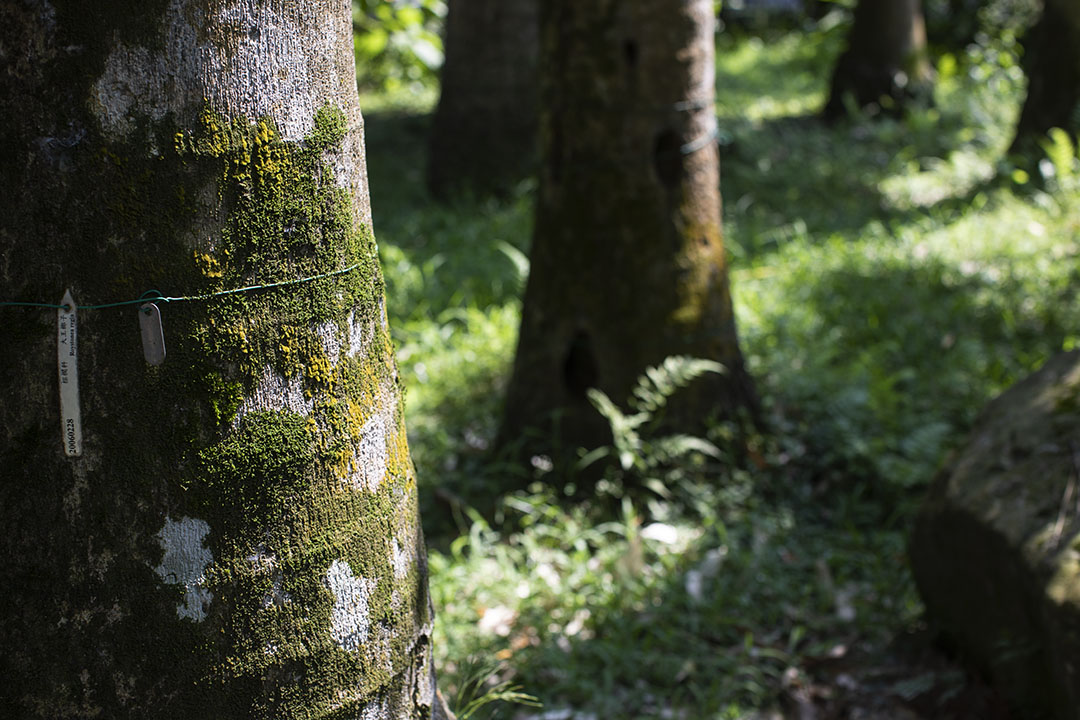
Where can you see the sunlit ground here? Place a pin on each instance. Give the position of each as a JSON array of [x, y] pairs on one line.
[[889, 277]]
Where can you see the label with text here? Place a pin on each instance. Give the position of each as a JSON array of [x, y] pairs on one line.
[[67, 361]]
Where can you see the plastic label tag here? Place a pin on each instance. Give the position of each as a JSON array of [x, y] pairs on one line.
[[67, 362], [153, 337]]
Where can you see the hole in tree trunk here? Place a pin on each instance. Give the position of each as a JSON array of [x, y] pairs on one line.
[[667, 159], [556, 154], [630, 52], [579, 367]]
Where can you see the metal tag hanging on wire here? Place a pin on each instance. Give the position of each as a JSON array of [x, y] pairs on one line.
[[153, 336], [67, 363]]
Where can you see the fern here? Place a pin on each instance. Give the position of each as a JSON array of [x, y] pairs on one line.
[[1061, 152], [478, 691], [649, 396], [623, 428], [659, 383], [503, 692]]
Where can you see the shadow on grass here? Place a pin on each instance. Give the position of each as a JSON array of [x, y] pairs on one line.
[[469, 253], [743, 614], [800, 595], [882, 365]]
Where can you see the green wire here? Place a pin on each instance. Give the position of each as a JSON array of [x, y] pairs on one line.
[[151, 296]]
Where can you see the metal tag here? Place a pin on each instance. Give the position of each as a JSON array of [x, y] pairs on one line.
[[67, 362], [153, 337]]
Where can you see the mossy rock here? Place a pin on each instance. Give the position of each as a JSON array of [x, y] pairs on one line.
[[996, 546]]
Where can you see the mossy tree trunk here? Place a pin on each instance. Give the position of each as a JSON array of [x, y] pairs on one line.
[[483, 136], [627, 264], [239, 536], [1052, 65], [885, 62]]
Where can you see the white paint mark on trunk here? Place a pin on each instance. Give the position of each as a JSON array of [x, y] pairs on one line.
[[349, 621], [185, 562]]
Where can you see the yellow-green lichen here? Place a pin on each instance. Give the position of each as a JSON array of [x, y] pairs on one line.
[[272, 486]]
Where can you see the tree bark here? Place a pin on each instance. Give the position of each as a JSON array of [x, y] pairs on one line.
[[1052, 65], [483, 136], [239, 535], [885, 62], [628, 263]]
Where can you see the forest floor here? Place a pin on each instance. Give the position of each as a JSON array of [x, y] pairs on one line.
[[890, 276]]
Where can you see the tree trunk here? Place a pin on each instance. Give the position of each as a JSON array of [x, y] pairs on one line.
[[1052, 65], [237, 535], [951, 25], [627, 264], [483, 136], [885, 63]]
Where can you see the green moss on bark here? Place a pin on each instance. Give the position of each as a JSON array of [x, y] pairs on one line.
[[276, 488], [228, 204]]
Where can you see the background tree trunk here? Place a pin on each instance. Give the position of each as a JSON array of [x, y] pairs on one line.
[[483, 135], [239, 537], [627, 264], [1052, 65], [885, 62]]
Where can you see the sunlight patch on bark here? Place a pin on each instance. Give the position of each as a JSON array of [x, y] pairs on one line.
[[235, 67]]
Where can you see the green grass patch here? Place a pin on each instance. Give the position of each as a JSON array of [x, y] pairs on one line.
[[890, 276]]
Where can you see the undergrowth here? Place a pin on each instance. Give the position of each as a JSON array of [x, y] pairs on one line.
[[890, 276]]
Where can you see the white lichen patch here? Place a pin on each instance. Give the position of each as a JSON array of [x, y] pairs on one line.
[[185, 562], [327, 333], [349, 620], [276, 392], [425, 682], [377, 710], [277, 597], [380, 648], [253, 57], [384, 319], [134, 82], [263, 561], [360, 333], [369, 462], [402, 558]]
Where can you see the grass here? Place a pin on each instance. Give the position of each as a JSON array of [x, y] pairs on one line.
[[889, 276]]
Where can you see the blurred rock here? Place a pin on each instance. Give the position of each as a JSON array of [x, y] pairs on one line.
[[996, 547]]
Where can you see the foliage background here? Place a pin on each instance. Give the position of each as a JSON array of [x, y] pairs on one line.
[[890, 276]]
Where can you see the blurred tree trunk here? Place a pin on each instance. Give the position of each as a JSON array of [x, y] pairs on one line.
[[239, 535], [1052, 65], [952, 25], [885, 62], [628, 264], [483, 136]]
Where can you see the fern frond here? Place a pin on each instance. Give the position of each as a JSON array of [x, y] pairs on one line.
[[659, 383], [673, 447]]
